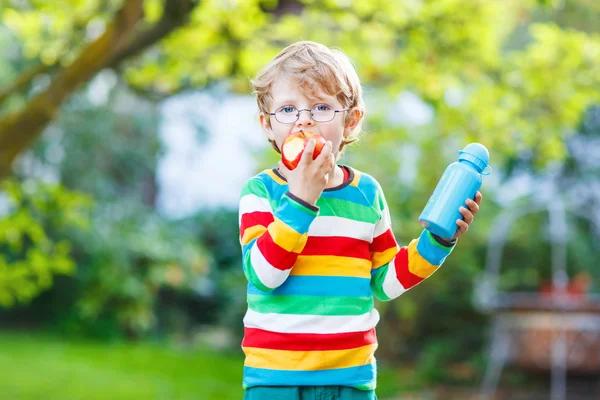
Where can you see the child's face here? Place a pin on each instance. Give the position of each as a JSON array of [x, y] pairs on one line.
[[286, 94]]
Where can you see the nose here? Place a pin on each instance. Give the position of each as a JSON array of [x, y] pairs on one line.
[[305, 118]]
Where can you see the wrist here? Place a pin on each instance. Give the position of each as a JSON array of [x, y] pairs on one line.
[[444, 242], [303, 197]]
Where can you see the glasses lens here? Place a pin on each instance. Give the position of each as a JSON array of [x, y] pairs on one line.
[[323, 113], [286, 115]]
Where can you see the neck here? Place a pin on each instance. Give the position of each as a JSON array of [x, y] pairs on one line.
[[336, 178]]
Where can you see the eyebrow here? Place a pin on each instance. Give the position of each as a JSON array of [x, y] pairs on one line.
[[292, 101]]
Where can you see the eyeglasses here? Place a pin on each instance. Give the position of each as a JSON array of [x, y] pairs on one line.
[[320, 113]]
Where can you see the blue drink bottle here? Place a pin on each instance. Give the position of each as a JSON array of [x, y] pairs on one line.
[[461, 180]]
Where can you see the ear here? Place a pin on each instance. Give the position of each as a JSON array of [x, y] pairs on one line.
[[265, 122], [353, 118]]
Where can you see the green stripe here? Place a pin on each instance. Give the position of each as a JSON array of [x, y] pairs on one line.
[[377, 282], [250, 273], [256, 187], [331, 207], [436, 243], [367, 386], [310, 305]]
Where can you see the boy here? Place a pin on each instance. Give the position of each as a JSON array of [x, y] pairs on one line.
[[317, 242]]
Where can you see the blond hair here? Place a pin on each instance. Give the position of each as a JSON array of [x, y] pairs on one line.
[[314, 66]]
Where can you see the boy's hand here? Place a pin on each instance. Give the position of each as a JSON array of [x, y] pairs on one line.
[[310, 177], [468, 214]]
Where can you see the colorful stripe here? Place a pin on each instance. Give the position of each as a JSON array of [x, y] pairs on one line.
[[383, 249], [335, 245], [319, 286], [332, 266], [285, 236], [307, 341], [309, 360], [310, 305], [329, 207], [336, 226], [291, 323], [313, 273], [353, 376]]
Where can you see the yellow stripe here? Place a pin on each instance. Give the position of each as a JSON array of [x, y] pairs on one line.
[[332, 266], [275, 177], [356, 178], [308, 360], [381, 258], [417, 265], [252, 233], [286, 237]]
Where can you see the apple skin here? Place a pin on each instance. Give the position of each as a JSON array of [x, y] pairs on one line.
[[294, 145]]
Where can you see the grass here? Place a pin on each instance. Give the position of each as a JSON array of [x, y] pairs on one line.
[[41, 367], [46, 368]]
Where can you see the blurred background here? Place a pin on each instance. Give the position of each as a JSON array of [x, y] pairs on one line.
[[127, 129]]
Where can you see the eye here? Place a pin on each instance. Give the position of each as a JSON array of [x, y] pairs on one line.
[[287, 109], [322, 107]]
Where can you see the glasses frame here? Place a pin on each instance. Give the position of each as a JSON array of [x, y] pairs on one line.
[[311, 115]]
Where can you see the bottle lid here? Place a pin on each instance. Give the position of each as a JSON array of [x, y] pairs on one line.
[[478, 155]]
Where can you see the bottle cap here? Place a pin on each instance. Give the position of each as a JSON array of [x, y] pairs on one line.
[[478, 155]]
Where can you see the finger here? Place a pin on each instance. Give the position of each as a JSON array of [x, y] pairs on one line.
[[462, 228], [283, 170], [309, 150], [478, 197], [323, 158], [468, 215], [473, 206]]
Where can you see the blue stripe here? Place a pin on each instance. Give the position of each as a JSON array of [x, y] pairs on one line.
[[430, 250], [294, 215], [320, 286], [351, 194], [353, 376], [247, 247]]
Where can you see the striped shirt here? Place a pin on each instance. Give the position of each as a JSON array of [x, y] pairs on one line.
[[313, 272]]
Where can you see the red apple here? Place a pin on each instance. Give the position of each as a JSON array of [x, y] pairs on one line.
[[293, 147]]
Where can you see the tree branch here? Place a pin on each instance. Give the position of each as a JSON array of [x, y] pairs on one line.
[[175, 14], [120, 41], [23, 80]]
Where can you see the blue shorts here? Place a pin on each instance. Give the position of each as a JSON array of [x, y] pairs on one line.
[[308, 393]]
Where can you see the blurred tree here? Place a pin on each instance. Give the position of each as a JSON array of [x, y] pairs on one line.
[[36, 221], [460, 56], [108, 147]]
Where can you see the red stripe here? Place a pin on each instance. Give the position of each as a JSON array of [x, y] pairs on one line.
[[336, 246], [307, 341], [277, 256], [407, 279], [384, 242], [251, 219]]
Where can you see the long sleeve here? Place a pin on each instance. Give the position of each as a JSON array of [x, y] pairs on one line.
[[396, 269], [271, 234]]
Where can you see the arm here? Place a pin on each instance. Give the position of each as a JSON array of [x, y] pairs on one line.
[[396, 269], [271, 239]]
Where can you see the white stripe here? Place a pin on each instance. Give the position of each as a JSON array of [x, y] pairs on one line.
[[391, 285], [337, 226], [383, 224], [252, 203], [270, 276], [294, 323]]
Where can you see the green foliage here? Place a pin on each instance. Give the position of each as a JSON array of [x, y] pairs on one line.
[[499, 80], [108, 148], [34, 232]]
